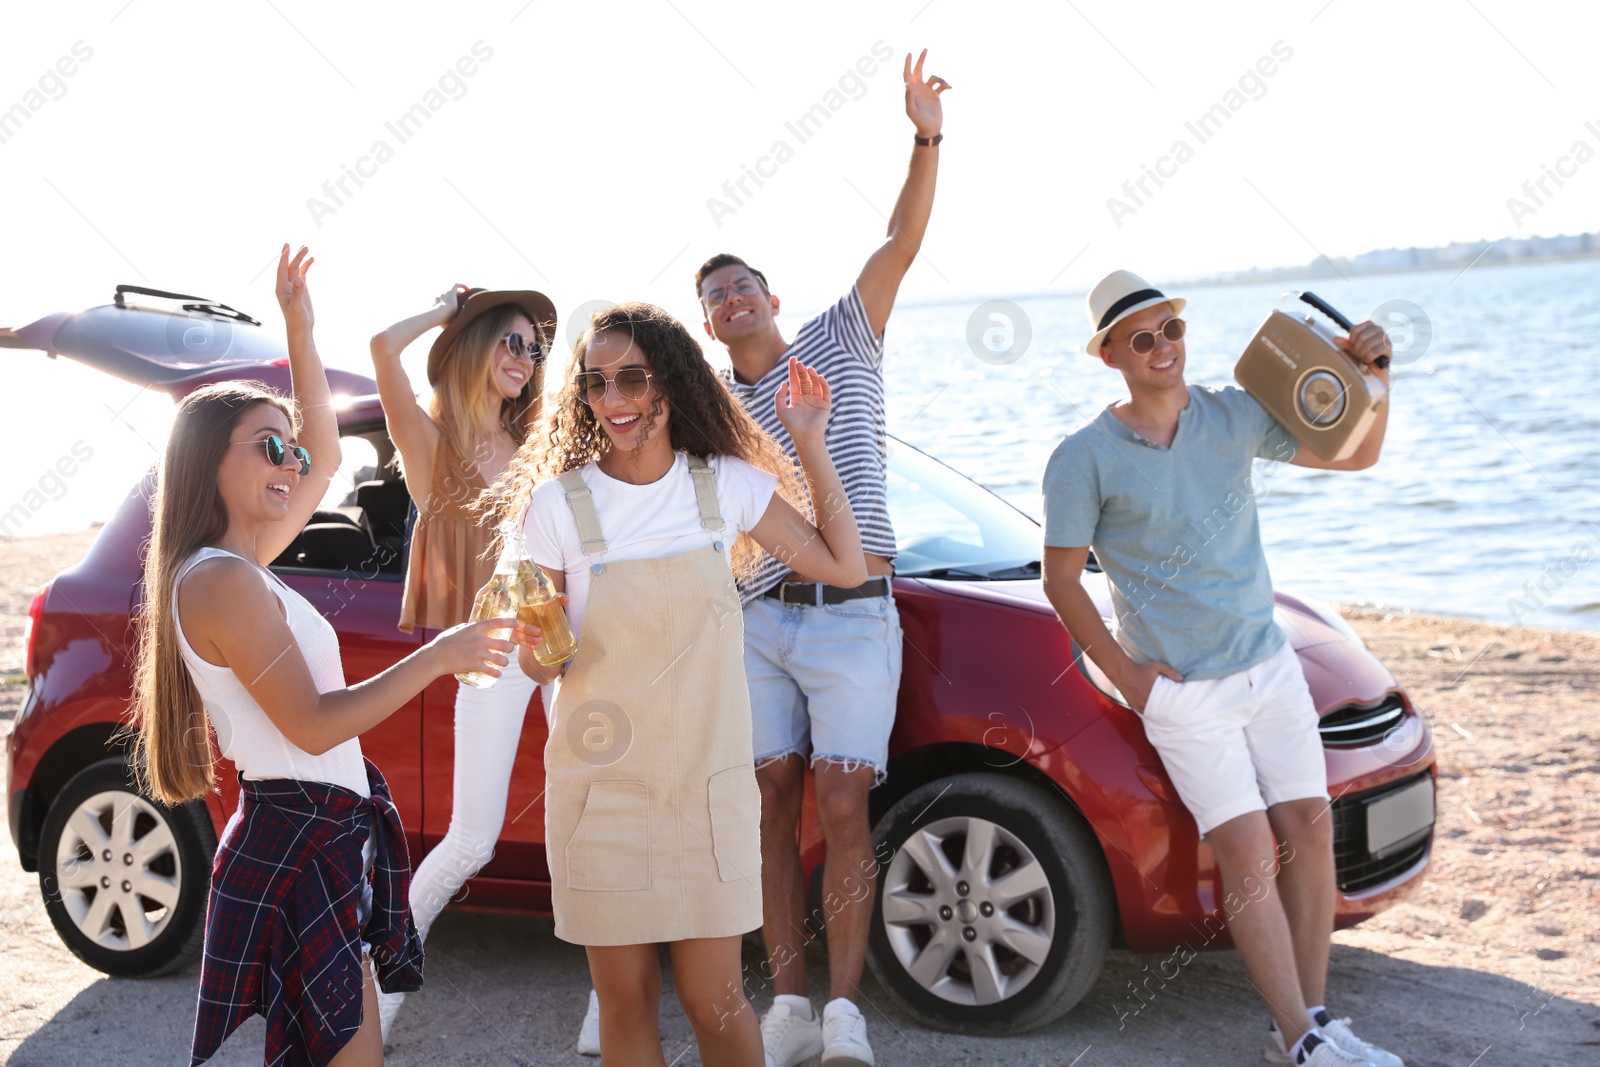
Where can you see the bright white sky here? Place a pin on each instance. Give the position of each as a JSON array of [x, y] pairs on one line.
[[579, 157]]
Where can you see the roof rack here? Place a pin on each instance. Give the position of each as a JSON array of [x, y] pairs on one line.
[[201, 304]]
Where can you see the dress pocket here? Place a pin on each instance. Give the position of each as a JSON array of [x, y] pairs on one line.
[[735, 802], [610, 849]]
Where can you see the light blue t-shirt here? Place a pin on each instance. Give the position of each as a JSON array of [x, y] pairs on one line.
[[1175, 530]]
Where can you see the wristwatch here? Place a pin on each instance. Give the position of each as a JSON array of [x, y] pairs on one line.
[[928, 142]]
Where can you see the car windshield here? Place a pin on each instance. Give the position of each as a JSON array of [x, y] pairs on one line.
[[947, 526]]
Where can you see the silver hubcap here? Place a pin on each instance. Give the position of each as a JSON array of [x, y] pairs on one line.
[[118, 870], [968, 911]]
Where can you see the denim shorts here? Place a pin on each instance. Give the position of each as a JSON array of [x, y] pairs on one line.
[[823, 680]]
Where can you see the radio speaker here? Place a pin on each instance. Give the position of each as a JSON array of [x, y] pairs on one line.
[[1326, 399]]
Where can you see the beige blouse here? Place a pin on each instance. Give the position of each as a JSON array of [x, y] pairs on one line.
[[449, 546]]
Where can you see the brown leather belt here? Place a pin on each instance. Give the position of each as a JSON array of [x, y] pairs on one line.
[[815, 594]]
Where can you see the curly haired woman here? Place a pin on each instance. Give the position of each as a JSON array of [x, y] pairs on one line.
[[645, 490]]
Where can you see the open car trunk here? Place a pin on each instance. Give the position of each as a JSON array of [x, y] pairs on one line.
[[169, 341]]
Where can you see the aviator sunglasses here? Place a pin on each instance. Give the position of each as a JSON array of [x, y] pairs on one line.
[[1144, 342], [715, 298], [631, 382], [277, 450]]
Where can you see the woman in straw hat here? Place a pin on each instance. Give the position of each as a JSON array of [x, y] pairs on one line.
[[486, 372]]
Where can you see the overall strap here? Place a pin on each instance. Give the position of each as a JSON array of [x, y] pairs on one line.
[[581, 501], [705, 493]]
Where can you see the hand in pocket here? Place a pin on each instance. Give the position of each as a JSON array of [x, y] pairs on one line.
[[1141, 682]]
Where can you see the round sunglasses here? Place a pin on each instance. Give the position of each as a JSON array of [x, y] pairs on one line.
[[1144, 342], [277, 450], [523, 348], [631, 382]]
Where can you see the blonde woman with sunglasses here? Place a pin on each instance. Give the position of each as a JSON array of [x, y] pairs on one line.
[[486, 371]]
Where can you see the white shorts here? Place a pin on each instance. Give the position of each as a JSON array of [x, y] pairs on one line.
[[1241, 743]]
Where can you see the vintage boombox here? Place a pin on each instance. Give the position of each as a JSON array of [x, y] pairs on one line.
[[1326, 399]]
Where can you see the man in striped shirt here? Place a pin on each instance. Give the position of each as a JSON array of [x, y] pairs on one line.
[[824, 662]]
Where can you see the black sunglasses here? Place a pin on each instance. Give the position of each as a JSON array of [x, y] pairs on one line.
[[631, 382], [523, 348], [277, 450]]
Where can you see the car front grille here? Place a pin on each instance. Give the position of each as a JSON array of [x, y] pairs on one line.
[[1357, 869], [1361, 725]]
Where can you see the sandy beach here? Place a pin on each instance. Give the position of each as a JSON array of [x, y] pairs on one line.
[[1492, 961]]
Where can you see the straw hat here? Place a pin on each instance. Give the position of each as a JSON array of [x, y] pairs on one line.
[[540, 311], [1118, 295]]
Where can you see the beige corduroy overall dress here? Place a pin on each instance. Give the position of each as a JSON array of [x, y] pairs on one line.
[[653, 816]]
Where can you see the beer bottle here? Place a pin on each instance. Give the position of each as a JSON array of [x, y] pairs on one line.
[[540, 605], [520, 587]]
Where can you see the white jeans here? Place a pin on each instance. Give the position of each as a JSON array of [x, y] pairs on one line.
[[488, 726]]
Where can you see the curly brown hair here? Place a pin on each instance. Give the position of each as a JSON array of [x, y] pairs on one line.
[[704, 420]]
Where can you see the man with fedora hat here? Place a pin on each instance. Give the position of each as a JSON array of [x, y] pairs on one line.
[[1159, 485]]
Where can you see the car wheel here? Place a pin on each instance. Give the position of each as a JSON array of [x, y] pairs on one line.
[[124, 878], [995, 907]]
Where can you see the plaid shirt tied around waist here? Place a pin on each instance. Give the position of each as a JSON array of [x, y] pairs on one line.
[[282, 937]]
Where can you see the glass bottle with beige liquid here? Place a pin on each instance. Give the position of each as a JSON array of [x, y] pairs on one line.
[[520, 587]]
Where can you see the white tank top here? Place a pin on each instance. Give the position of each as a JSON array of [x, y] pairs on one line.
[[244, 733]]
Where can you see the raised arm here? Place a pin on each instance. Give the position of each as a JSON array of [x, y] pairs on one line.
[[880, 278], [829, 551], [413, 432], [231, 619], [319, 425]]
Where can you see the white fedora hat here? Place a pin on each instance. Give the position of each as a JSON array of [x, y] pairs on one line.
[[1118, 295]]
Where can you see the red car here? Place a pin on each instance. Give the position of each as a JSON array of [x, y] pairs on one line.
[[1025, 827]]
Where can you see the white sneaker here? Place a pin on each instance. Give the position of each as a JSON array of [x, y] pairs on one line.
[[844, 1037], [788, 1039], [1338, 1031], [589, 1032], [388, 1008], [1324, 1053]]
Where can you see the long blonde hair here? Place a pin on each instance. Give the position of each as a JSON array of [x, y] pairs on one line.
[[173, 757], [464, 374], [705, 419]]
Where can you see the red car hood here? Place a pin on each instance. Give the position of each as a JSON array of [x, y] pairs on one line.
[[1339, 669], [1305, 625]]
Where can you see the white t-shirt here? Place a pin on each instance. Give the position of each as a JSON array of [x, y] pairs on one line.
[[641, 521]]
